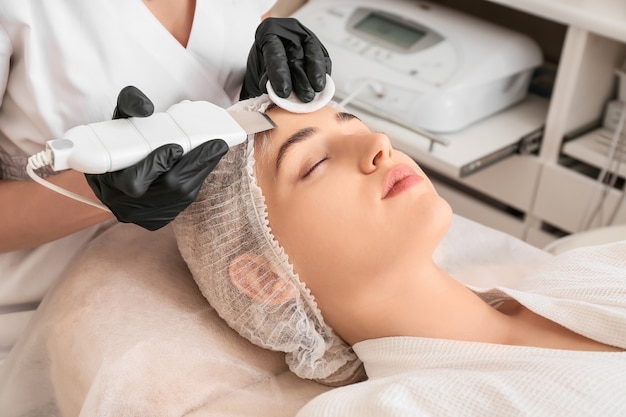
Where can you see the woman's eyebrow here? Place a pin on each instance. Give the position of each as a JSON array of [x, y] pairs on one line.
[[304, 134], [342, 116], [299, 136]]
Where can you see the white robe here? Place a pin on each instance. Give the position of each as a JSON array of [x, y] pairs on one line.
[[583, 290], [62, 63]]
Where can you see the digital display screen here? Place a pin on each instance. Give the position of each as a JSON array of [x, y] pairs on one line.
[[389, 30]]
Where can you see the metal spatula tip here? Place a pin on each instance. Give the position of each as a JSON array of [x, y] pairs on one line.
[[253, 121]]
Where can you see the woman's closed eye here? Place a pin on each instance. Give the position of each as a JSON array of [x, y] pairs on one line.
[[309, 169]]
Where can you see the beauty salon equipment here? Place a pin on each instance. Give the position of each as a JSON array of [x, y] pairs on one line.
[[112, 145], [427, 65]]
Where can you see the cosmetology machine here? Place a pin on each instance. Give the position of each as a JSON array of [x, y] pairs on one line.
[[420, 63]]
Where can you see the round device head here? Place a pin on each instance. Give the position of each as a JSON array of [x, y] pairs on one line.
[[293, 103]]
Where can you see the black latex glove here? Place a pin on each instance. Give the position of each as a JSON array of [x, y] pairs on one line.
[[154, 191], [291, 56]]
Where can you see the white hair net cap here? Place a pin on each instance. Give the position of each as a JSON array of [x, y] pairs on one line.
[[226, 233]]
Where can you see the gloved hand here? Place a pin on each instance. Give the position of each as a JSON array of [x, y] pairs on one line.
[[291, 56], [154, 191]]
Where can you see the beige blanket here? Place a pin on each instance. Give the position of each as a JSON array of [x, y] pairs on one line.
[[128, 334]]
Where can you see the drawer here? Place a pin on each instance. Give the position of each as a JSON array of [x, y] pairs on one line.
[[563, 196]]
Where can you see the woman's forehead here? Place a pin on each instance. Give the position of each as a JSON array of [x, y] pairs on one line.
[[288, 123], [296, 118]]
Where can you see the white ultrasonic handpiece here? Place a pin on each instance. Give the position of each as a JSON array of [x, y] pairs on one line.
[[294, 105], [112, 145]]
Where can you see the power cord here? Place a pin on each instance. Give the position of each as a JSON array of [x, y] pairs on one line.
[[379, 90], [619, 160], [613, 158], [42, 159]]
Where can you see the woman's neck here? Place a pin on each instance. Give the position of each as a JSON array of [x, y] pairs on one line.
[[428, 304], [435, 305]]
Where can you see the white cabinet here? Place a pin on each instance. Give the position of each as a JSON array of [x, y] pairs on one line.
[[541, 197], [594, 47]]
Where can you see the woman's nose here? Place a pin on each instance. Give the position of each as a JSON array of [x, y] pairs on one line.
[[376, 149]]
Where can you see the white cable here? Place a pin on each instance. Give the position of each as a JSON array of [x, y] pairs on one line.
[[378, 89], [617, 207], [590, 214], [42, 159], [619, 161]]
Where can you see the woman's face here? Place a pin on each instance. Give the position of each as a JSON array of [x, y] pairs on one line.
[[348, 209]]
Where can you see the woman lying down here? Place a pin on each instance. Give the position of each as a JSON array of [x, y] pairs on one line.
[[317, 239]]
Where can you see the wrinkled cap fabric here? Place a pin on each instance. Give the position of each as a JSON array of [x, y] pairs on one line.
[[225, 232]]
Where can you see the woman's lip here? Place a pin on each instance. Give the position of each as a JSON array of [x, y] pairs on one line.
[[399, 179]]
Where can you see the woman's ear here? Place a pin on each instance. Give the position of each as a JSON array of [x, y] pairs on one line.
[[255, 276]]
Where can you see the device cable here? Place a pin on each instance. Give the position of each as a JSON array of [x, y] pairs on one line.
[[601, 183], [619, 160], [42, 159], [380, 92]]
